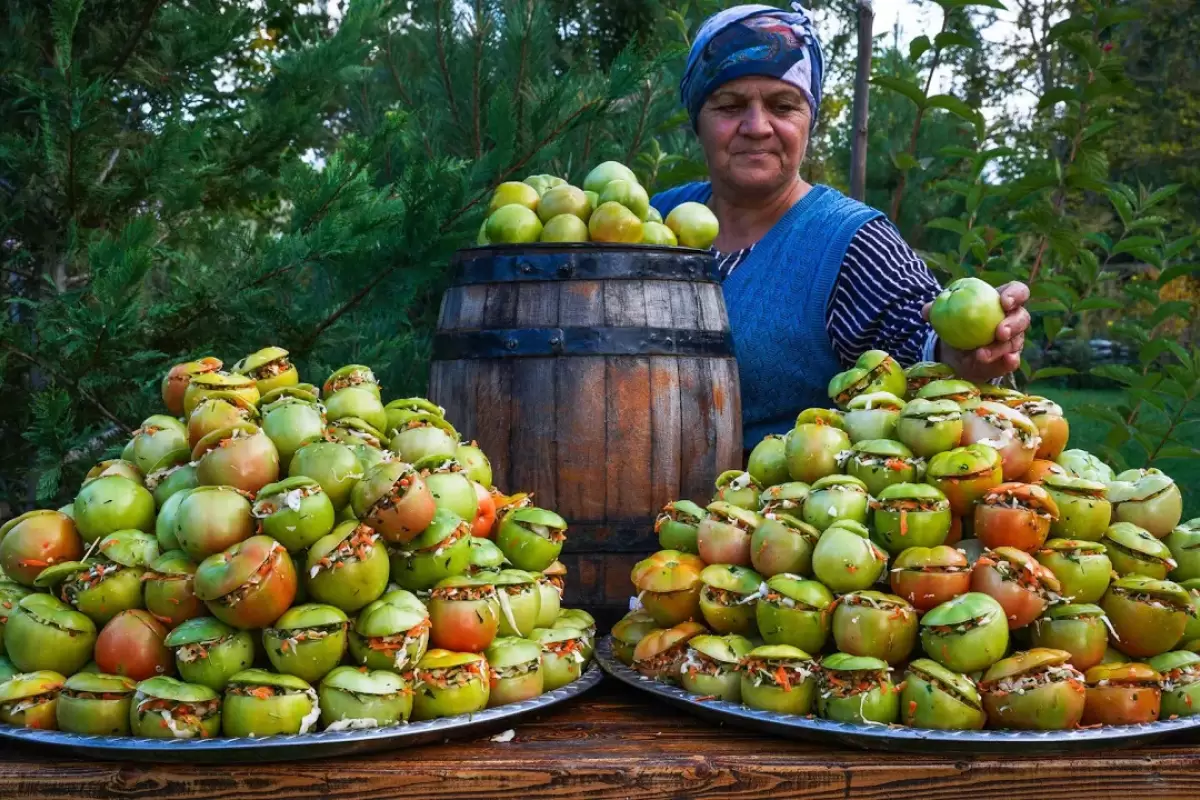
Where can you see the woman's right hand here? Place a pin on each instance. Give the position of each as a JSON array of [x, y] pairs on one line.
[[1003, 355]]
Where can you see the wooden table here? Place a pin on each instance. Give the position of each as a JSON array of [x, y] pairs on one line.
[[614, 743]]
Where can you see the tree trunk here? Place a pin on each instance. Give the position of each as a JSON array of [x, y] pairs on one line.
[[862, 76]]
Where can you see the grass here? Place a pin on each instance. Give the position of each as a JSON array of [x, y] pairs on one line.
[[1088, 434]]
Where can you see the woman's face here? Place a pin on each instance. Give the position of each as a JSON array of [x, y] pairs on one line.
[[754, 132]]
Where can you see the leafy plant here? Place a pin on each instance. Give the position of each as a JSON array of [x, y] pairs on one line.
[[1041, 228]]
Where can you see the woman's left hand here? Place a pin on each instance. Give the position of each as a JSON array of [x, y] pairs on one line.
[[1003, 355]]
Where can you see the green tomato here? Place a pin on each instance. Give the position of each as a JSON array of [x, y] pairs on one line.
[[836, 497], [44, 633], [208, 652], [292, 707], [349, 568], [934, 697], [812, 449], [910, 515], [677, 526], [966, 634], [779, 678], [842, 697], [562, 655], [447, 684], [710, 666], [531, 538], [352, 699], [966, 313], [874, 624], [1083, 569], [95, 705], [113, 503], [1079, 629], [307, 641], [515, 670], [795, 612], [846, 562], [767, 463], [165, 708]]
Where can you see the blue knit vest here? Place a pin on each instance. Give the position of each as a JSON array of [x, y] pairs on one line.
[[777, 300]]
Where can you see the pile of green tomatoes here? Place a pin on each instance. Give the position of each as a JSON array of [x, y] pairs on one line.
[[928, 553], [272, 557]]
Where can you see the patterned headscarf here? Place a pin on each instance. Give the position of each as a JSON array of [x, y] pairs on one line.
[[753, 40]]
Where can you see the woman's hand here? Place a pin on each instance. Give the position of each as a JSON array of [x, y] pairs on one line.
[[1003, 355]]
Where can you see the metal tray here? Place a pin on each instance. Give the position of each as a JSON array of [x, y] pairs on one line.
[[896, 738], [310, 745]]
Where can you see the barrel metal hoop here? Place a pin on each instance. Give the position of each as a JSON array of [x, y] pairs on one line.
[[581, 341], [484, 265]]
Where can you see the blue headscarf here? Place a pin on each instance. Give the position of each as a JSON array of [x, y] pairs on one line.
[[753, 40]]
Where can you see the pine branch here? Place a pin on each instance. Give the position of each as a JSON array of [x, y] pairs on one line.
[[395, 74], [148, 12], [635, 144], [518, 94], [441, 53], [112, 162], [522, 161], [362, 293], [476, 111], [84, 393]]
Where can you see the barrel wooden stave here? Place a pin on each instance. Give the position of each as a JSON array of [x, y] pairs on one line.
[[605, 440]]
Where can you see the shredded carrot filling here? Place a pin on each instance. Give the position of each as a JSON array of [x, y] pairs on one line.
[[462, 675], [398, 641], [848, 683], [483, 592], [262, 573], [358, 546]]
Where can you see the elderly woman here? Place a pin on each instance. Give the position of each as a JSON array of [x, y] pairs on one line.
[[812, 278]]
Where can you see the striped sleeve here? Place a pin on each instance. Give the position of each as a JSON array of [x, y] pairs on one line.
[[877, 300]]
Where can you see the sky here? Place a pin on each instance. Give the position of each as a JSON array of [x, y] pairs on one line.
[[913, 18]]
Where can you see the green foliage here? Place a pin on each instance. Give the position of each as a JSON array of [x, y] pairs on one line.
[[1040, 227], [160, 202], [187, 179]]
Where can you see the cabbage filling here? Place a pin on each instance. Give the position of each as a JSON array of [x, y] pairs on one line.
[[851, 683], [779, 673], [1034, 679]]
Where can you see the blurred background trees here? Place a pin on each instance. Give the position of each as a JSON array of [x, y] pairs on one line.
[[189, 177]]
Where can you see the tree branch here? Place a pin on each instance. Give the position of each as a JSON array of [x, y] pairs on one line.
[[636, 143], [518, 95], [862, 93], [73, 384], [148, 12], [441, 53], [396, 75], [476, 111], [898, 196], [362, 293]]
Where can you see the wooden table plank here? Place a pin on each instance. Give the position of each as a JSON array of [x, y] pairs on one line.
[[614, 743]]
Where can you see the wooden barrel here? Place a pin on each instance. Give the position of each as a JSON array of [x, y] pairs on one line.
[[602, 379]]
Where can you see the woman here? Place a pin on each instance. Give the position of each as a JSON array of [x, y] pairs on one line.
[[812, 279]]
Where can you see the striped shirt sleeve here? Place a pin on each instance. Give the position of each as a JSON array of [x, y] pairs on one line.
[[876, 302]]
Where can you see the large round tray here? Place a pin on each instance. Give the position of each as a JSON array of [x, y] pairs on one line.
[[895, 737], [310, 745]]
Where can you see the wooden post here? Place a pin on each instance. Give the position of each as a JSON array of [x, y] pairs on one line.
[[862, 77]]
